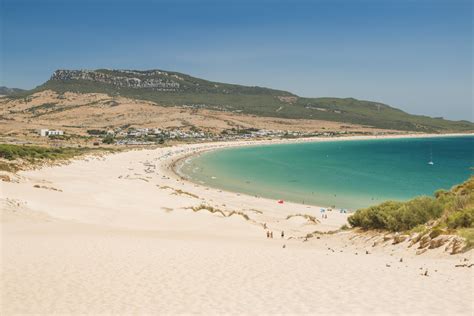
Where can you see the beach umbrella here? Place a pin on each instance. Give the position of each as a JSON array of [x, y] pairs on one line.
[[280, 201]]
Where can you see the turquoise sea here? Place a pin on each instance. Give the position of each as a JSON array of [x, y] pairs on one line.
[[344, 173]]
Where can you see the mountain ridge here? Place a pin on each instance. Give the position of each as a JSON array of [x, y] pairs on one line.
[[168, 88]]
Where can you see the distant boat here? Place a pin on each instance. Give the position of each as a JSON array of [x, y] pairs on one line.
[[431, 163]]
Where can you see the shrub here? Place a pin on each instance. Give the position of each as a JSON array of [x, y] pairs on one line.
[[396, 216], [460, 201], [468, 235], [374, 217], [344, 227], [453, 209], [96, 132], [34, 153], [435, 232], [461, 219], [439, 193], [109, 139]]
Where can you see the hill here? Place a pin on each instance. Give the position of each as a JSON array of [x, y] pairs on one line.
[[176, 89], [9, 91]]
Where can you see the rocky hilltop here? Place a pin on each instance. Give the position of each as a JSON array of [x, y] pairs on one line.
[[156, 80]]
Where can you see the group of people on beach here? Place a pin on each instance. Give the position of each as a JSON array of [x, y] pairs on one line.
[[270, 234]]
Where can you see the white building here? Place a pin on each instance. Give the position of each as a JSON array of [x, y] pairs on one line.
[[47, 132]]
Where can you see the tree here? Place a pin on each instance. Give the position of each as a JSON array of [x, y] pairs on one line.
[[109, 139]]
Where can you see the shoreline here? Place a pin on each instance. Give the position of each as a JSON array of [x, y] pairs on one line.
[[177, 163]]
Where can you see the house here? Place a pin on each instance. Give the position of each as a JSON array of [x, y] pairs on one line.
[[46, 132]]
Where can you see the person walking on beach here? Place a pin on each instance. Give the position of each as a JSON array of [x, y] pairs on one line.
[[268, 234], [282, 234]]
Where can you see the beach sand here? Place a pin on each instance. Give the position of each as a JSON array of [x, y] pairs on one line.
[[117, 235]]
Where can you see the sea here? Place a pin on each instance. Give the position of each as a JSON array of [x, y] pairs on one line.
[[348, 174]]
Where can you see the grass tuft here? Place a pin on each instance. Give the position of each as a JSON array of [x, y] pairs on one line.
[[309, 218]]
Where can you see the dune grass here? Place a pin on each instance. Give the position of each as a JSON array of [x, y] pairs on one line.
[[12, 154], [9, 166], [208, 208], [213, 210], [468, 235], [245, 216], [30, 153], [309, 218], [181, 192]]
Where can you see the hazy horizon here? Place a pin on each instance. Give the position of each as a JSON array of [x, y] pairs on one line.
[[412, 55]]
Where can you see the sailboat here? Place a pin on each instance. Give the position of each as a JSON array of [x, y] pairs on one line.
[[431, 163]]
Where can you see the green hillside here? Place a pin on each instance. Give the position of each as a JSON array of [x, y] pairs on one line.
[[9, 91], [176, 89]]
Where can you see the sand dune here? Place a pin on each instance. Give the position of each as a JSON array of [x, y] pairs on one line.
[[118, 235]]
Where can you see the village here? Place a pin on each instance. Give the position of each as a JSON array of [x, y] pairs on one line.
[[152, 136]]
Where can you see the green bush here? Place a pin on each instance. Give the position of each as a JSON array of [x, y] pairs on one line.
[[397, 216], [344, 227], [453, 209], [461, 219], [435, 232], [468, 235], [109, 139]]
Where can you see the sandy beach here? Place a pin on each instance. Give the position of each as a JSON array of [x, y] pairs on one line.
[[124, 234]]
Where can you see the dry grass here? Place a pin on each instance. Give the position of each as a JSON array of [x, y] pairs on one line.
[[238, 213], [208, 208], [178, 191], [213, 210], [181, 192], [9, 166], [309, 218]]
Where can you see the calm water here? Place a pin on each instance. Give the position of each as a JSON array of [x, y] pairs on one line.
[[349, 174]]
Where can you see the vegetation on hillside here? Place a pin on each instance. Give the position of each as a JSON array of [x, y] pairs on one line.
[[447, 212], [9, 91], [199, 93]]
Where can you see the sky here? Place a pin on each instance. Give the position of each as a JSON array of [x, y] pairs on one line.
[[415, 55]]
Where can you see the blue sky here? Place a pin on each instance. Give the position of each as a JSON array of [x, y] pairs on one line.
[[413, 54]]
